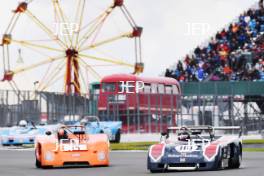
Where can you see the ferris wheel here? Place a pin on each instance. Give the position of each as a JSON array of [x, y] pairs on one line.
[[66, 42]]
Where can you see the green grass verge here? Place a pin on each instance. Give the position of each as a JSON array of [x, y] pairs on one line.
[[131, 146], [145, 146], [28, 146], [253, 141], [253, 149]]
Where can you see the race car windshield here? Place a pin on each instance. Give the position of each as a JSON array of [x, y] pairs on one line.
[[20, 131], [176, 135], [180, 135], [92, 119]]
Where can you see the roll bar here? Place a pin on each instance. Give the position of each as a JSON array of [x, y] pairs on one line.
[[210, 129]]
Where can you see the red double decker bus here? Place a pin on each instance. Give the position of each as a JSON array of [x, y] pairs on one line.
[[142, 104]]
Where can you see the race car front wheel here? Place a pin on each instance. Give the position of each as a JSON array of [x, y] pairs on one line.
[[38, 164], [235, 162], [37, 155], [118, 136], [159, 170], [156, 171]]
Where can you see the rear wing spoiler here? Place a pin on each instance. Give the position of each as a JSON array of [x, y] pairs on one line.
[[207, 128]]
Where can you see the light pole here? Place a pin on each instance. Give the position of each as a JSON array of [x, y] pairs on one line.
[[35, 88]]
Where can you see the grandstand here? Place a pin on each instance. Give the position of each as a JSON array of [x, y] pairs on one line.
[[235, 53], [226, 72]]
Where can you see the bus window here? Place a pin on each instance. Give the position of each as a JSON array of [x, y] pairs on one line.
[[154, 88], [175, 89], [94, 88], [147, 88], [168, 89], [108, 87], [96, 91], [161, 88]]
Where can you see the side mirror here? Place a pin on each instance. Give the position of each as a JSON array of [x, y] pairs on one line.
[[48, 133]]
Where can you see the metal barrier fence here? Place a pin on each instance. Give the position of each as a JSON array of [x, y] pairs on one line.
[[140, 113], [147, 114], [244, 111], [36, 106]]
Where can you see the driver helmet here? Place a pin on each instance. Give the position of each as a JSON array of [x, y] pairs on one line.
[[61, 132], [184, 136], [22, 123]]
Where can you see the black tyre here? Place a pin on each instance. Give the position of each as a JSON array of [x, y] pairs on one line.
[[159, 170], [46, 167], [38, 164], [155, 171], [118, 136], [38, 152], [236, 159]]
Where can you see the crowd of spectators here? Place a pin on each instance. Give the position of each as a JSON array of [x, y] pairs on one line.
[[235, 53]]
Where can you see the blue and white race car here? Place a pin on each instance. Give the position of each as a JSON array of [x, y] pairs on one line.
[[196, 148], [24, 133], [111, 128]]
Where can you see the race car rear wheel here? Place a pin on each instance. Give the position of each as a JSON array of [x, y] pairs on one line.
[[236, 159], [235, 162]]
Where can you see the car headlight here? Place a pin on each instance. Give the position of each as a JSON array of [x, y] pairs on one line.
[[101, 156], [4, 139], [49, 156]]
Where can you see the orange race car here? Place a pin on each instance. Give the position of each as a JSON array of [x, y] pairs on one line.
[[71, 146]]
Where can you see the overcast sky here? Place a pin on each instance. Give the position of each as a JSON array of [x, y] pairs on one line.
[[166, 37]]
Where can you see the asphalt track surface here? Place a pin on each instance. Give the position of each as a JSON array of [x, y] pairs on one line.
[[21, 163]]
